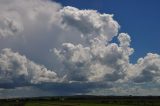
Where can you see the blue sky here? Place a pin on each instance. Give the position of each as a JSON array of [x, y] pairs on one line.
[[139, 18]]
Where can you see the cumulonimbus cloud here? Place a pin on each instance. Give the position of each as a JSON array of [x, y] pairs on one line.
[[29, 30]]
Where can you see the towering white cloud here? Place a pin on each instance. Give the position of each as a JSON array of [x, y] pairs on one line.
[[90, 23], [98, 61]]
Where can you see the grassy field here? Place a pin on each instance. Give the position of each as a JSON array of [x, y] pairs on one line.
[[83, 101]]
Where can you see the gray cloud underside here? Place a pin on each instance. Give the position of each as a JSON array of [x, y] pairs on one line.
[[64, 50]]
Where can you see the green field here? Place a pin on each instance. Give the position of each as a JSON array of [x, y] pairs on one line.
[[83, 101]]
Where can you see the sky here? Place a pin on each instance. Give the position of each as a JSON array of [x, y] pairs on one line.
[[77, 47]]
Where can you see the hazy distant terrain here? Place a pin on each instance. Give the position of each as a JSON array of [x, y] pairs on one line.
[[83, 101]]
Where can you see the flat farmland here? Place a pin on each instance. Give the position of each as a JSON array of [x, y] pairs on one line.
[[82, 101]]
